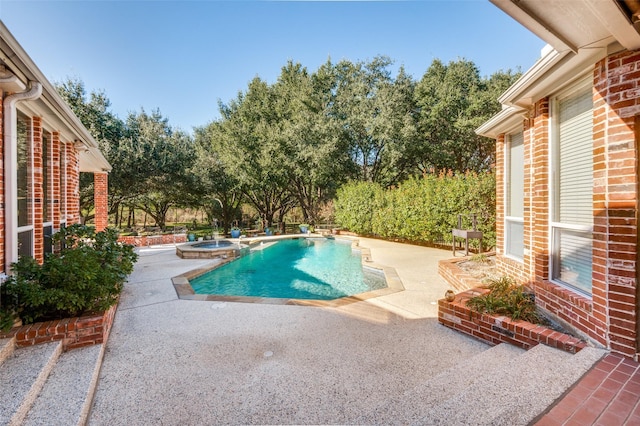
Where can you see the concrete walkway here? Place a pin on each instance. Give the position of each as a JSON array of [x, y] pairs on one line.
[[179, 362], [171, 361]]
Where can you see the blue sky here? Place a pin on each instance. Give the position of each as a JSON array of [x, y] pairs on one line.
[[183, 56]]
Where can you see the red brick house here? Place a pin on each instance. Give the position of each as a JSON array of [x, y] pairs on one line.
[[567, 167], [45, 148]]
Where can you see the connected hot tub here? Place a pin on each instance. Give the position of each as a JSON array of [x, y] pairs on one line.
[[210, 249]]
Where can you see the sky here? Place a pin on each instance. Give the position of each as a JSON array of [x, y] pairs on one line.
[[183, 57]]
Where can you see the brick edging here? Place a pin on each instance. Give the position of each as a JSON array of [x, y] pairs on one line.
[[500, 329], [149, 240], [74, 332]]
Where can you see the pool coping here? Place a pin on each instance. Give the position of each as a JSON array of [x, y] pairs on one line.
[[394, 284]]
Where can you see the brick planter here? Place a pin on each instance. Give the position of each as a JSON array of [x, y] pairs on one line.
[[74, 332], [491, 328], [499, 329], [457, 277]]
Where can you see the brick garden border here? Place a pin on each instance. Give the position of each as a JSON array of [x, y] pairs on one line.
[[74, 332], [491, 328], [149, 240]]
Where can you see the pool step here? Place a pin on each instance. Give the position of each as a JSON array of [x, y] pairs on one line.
[[501, 386], [43, 385]]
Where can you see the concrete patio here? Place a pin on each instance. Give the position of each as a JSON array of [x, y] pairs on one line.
[[170, 361]]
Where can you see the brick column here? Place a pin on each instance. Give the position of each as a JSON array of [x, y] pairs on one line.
[[37, 191], [55, 184], [2, 203], [615, 199], [101, 192], [73, 185], [537, 225]]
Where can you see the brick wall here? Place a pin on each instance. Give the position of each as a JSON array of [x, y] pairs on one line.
[[2, 203], [616, 111], [101, 201], [73, 185], [499, 329], [54, 204], [36, 189], [609, 316], [74, 332], [150, 240]]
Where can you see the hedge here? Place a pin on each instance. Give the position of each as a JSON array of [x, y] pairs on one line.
[[421, 209]]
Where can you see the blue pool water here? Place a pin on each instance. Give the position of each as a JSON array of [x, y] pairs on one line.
[[320, 269]]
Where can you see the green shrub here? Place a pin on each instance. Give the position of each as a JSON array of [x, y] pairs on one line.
[[355, 204], [505, 297], [85, 275], [420, 209]]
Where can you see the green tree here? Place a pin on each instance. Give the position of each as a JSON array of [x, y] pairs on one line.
[[376, 114], [452, 101], [161, 160], [318, 160], [218, 192], [252, 149], [108, 130]]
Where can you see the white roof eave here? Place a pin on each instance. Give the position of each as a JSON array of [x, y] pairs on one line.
[[25, 68], [505, 120]]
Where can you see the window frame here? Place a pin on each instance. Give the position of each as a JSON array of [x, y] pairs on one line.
[[556, 227], [30, 227], [508, 218]]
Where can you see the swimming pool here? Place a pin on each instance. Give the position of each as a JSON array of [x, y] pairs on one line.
[[305, 268]]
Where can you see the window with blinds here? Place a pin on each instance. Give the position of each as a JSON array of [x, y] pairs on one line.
[[514, 203], [572, 223]]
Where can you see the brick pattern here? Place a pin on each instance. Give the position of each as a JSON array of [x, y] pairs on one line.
[[36, 189], [55, 176], [101, 192], [60, 154], [501, 145], [499, 329], [144, 241], [74, 332], [609, 316], [455, 276], [2, 203], [609, 394], [73, 185], [616, 111]]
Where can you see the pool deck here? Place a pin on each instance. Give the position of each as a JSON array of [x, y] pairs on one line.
[[175, 361]]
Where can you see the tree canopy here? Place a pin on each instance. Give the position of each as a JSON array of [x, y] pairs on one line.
[[292, 143]]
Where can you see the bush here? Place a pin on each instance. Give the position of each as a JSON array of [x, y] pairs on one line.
[[85, 275], [355, 205], [505, 297], [420, 209]]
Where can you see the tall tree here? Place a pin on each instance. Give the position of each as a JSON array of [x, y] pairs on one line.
[[452, 101], [217, 190], [376, 116], [250, 144], [108, 130], [318, 159], [162, 159]]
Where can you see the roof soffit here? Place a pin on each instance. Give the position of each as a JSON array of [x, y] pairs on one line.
[[573, 25]]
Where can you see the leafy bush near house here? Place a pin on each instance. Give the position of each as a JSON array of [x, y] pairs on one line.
[[355, 205], [505, 297], [420, 209], [85, 275]]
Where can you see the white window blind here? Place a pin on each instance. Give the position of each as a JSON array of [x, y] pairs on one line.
[[576, 160], [515, 182], [573, 222], [514, 217]]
